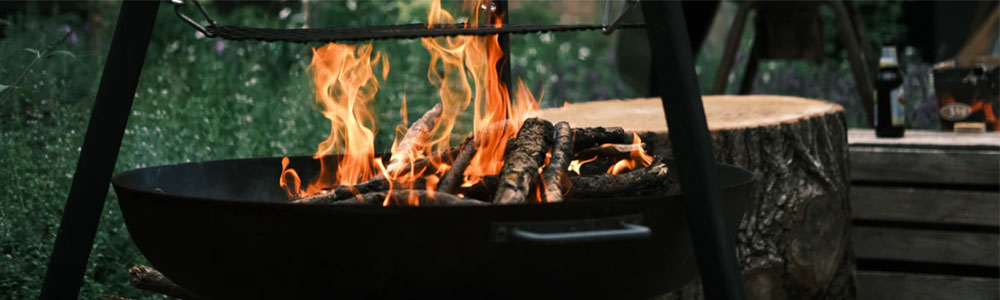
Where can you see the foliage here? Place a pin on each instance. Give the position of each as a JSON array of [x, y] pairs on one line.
[[203, 99]]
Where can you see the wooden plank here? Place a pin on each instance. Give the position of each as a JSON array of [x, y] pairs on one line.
[[874, 285], [922, 138], [924, 245], [925, 205], [914, 165]]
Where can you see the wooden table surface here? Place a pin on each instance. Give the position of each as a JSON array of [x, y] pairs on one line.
[[926, 210]]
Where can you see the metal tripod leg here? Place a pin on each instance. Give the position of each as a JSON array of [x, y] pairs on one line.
[[100, 150], [692, 145]]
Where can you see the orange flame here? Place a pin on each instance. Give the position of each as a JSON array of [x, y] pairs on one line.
[[574, 165], [495, 118], [345, 88], [637, 156], [464, 70]]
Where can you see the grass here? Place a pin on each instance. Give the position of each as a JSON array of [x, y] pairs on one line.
[[204, 99]]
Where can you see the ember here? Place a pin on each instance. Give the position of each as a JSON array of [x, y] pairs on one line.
[[517, 160]]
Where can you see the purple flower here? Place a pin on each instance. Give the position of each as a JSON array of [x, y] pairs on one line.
[[220, 46], [72, 34]]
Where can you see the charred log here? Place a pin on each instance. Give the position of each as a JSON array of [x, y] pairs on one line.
[[414, 139], [453, 178], [146, 278], [584, 138], [555, 175], [402, 198], [652, 177], [525, 154], [612, 151], [640, 181]]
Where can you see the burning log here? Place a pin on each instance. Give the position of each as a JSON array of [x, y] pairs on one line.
[[403, 198], [345, 192], [146, 278], [414, 139], [584, 138], [453, 178], [525, 154], [611, 151], [653, 177], [554, 174]]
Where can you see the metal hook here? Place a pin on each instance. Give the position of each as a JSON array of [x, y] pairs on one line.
[[608, 29], [177, 9]]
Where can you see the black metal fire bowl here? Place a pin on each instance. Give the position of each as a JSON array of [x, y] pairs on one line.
[[221, 229]]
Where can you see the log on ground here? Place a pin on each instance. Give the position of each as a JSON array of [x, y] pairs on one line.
[[147, 278]]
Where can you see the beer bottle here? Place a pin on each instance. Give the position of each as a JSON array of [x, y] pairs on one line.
[[890, 116]]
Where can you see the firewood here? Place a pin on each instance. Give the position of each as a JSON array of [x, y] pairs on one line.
[[345, 192], [521, 162], [614, 151], [554, 174], [453, 178], [376, 183], [146, 278], [401, 198], [584, 138], [414, 139], [641, 180]]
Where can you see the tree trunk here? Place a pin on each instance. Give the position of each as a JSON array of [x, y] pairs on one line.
[[794, 239]]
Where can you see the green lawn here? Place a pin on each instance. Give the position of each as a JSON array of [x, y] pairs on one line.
[[203, 99]]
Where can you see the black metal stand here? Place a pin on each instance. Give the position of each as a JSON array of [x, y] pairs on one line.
[[668, 38], [100, 150], [692, 145]]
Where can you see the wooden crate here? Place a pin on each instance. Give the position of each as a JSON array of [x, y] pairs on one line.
[[926, 212]]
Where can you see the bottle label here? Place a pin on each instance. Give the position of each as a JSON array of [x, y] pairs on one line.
[[896, 102], [875, 95]]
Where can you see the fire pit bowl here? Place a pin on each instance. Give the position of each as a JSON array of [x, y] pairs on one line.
[[221, 229]]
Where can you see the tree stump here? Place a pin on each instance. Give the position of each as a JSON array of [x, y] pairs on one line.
[[794, 239]]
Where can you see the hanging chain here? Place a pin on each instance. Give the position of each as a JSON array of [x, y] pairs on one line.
[[408, 31]]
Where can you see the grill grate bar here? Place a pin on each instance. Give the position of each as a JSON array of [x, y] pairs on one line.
[[408, 31]]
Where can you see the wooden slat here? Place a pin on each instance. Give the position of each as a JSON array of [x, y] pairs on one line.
[[915, 165], [886, 285], [925, 205], [924, 138], [922, 245]]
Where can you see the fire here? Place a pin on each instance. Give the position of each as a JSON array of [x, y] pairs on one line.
[[464, 70], [574, 165], [637, 156], [345, 88], [474, 58]]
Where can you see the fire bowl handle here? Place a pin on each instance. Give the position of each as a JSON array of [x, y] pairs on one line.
[[566, 232]]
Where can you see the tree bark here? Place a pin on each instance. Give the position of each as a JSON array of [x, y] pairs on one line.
[[414, 139], [454, 177], [794, 239], [555, 178], [525, 154]]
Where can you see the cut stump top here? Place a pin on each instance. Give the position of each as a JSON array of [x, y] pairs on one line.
[[724, 112]]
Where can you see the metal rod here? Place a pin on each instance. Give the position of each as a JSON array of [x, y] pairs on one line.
[[503, 66], [99, 152], [692, 145]]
